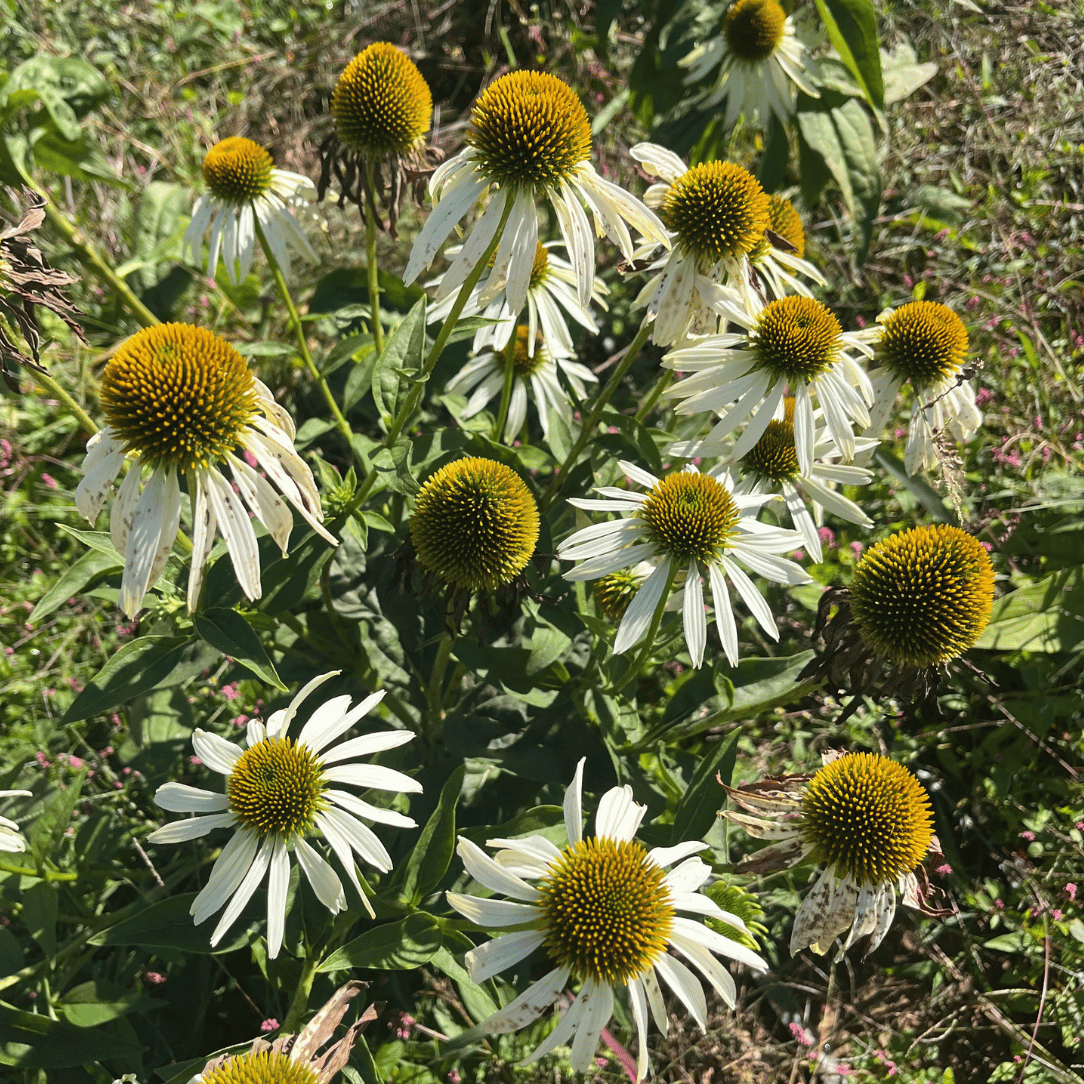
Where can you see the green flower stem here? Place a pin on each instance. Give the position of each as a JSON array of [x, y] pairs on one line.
[[299, 1005], [92, 259], [370, 258], [656, 393], [436, 682], [506, 390], [591, 421], [410, 404], [341, 423], [41, 875], [47, 383], [649, 639]]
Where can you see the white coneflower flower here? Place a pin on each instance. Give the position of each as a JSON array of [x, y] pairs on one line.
[[923, 344], [279, 791], [717, 213], [791, 346], [760, 61], [183, 403], [606, 912], [688, 523], [550, 295], [534, 369], [244, 188], [529, 139], [11, 839], [771, 466], [862, 817]]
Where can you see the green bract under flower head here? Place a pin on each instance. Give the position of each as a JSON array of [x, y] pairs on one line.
[[524, 363], [275, 788], [922, 342], [381, 104], [754, 29], [607, 911], [614, 592], [178, 396], [773, 456], [796, 339], [263, 1068], [736, 900], [540, 269], [691, 517], [475, 524], [528, 129], [923, 597], [868, 817], [237, 170], [718, 211]]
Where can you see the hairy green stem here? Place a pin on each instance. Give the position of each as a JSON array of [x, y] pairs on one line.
[[436, 682], [341, 423], [506, 390], [47, 383], [371, 269], [649, 639], [656, 393], [295, 1014], [88, 255], [591, 421]]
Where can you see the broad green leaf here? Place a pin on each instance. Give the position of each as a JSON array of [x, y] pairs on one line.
[[98, 1002], [228, 631], [476, 999], [137, 667], [841, 132], [11, 953], [33, 1041], [39, 914], [772, 171], [157, 221], [1044, 616], [96, 540], [72, 158], [73, 80], [54, 819], [903, 74], [401, 357], [394, 946], [168, 924], [697, 810], [433, 852], [73, 579], [269, 349], [851, 26]]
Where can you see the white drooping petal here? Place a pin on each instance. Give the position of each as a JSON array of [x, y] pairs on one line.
[[573, 805], [502, 952]]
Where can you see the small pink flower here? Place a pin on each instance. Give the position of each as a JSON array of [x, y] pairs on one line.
[[856, 548], [454, 1077], [154, 977], [49, 480], [1029, 836], [999, 904], [75, 762], [1056, 914], [194, 761], [1070, 890], [230, 692], [944, 870], [827, 536], [801, 1035], [270, 1024], [40, 757]]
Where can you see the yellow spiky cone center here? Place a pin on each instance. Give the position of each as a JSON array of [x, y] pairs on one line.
[[606, 910], [773, 456], [237, 170], [796, 339], [691, 517], [540, 268], [615, 591], [923, 597], [718, 211], [178, 396], [867, 817], [529, 130], [754, 29], [275, 787], [381, 103], [923, 342], [524, 363], [262, 1068], [475, 524]]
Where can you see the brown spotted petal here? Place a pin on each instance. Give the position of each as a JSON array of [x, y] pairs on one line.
[[758, 827], [776, 857], [824, 914], [874, 912], [774, 796]]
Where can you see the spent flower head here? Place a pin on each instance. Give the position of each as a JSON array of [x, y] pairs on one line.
[[382, 110], [606, 911], [280, 792], [247, 196], [182, 404]]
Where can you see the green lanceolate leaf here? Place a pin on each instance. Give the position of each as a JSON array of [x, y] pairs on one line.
[[401, 360], [228, 631], [73, 580], [168, 924], [851, 26], [433, 852], [395, 946], [697, 810], [33, 1041]]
